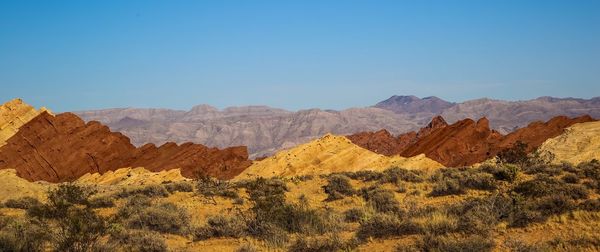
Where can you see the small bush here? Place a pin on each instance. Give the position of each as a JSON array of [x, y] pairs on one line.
[[553, 205], [592, 205], [80, 230], [439, 222], [139, 241], [326, 244], [246, 247], [22, 203], [381, 200], [447, 186], [505, 172], [101, 202], [396, 175], [384, 226], [149, 190], [364, 175], [354, 215], [181, 186], [337, 187], [473, 243], [546, 186], [29, 235], [570, 178], [267, 231], [220, 226], [516, 154], [211, 187], [164, 218], [545, 169]]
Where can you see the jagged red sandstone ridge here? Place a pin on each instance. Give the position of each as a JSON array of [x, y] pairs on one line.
[[64, 147], [463, 143]]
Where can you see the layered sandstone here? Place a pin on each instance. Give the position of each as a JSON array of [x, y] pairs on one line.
[[579, 143], [465, 142], [131, 176], [330, 154], [13, 114], [64, 147]]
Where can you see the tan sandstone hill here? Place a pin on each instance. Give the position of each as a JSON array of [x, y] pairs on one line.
[[329, 154], [13, 115], [131, 176], [14, 187], [579, 143]]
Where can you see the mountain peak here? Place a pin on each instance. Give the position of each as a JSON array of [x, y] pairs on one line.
[[412, 104]]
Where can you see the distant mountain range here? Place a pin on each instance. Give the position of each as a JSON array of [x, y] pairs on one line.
[[265, 130]]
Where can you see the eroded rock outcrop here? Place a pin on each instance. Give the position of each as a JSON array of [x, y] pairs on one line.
[[13, 114], [64, 147], [383, 142], [330, 154], [579, 143], [465, 142]]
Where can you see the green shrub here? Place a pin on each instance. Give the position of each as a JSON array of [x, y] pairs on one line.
[[270, 207], [545, 169], [325, 244], [164, 218], [149, 190], [220, 226], [101, 202], [505, 172], [473, 243], [516, 154], [382, 200], [267, 231], [31, 235], [455, 181], [447, 186], [80, 230], [570, 178], [211, 187], [181, 186], [553, 205], [134, 205], [337, 187], [546, 186], [384, 226], [592, 205], [364, 175], [354, 215], [22, 203], [480, 215], [395, 175], [136, 240]]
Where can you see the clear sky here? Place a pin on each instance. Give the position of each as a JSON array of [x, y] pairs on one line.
[[73, 55]]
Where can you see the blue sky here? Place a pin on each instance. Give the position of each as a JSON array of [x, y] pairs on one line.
[[73, 55]]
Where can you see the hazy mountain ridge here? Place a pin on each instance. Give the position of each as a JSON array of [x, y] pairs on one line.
[[265, 130]]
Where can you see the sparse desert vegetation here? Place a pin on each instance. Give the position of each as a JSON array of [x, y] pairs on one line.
[[451, 209]]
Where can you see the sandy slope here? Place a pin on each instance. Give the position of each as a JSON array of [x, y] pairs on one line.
[[130, 176], [580, 142], [330, 154], [13, 187], [13, 115]]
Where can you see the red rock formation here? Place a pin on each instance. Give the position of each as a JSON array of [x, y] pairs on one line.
[[383, 142], [63, 148], [465, 142]]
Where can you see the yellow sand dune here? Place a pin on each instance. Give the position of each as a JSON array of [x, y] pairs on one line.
[[130, 176], [579, 143], [13, 115], [13, 187], [330, 154]]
